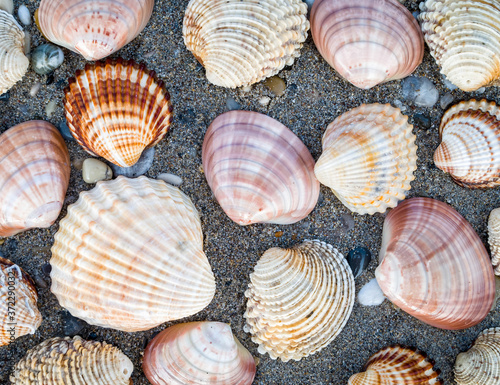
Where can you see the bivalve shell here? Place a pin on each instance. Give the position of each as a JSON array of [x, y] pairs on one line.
[[494, 239]]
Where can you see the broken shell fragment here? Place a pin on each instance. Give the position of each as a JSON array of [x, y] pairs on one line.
[[494, 239]]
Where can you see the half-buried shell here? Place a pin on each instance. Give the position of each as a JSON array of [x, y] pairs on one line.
[[494, 238]]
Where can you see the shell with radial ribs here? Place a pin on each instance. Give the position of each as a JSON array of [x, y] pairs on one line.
[[299, 299], [34, 176], [129, 256], [369, 156], [73, 361], [94, 29], [198, 353], [368, 42], [116, 109], [258, 170], [397, 365], [494, 239], [470, 144], [243, 42]]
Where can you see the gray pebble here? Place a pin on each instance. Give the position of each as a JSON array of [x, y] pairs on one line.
[[140, 168], [449, 84], [65, 132], [347, 222], [46, 58], [72, 325], [446, 100], [422, 121], [47, 268], [420, 91], [359, 259], [40, 282], [232, 104]]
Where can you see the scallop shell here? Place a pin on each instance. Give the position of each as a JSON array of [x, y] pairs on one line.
[[94, 29], [198, 353], [241, 43], [129, 255], [464, 38], [494, 239], [470, 146], [369, 156], [299, 299], [73, 361], [434, 266], [34, 176], [116, 109], [368, 42], [258, 170]]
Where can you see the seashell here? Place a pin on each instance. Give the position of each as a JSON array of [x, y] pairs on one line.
[[494, 239], [470, 147], [241, 43], [19, 314], [369, 156], [94, 29], [46, 58], [198, 353], [34, 176], [258, 170], [116, 109], [7, 5], [73, 361], [397, 365], [299, 299], [434, 266], [464, 38], [368, 42], [129, 256]]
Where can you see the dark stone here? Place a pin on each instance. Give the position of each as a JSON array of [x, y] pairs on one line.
[[347, 222], [292, 88], [359, 259], [72, 325], [65, 132], [92, 336], [5, 97], [140, 168], [232, 104], [46, 268], [422, 121], [50, 78], [40, 282]]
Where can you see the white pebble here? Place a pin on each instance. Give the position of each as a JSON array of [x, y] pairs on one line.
[[93, 170], [246, 88], [50, 108], [371, 294], [7, 5], [419, 90], [35, 88], [264, 100], [24, 15], [172, 179], [481, 90]]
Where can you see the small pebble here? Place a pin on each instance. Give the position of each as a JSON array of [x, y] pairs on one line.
[[346, 221], [172, 179], [72, 325], [480, 90], [497, 292], [35, 88], [93, 170], [2, 241], [78, 163], [46, 58], [46, 268], [246, 88], [7, 5], [65, 131], [40, 282], [422, 121], [149, 54], [24, 15], [141, 167], [371, 294], [5, 97], [415, 14], [93, 336], [420, 91], [27, 43], [278, 234], [359, 259], [276, 85], [449, 84], [446, 100], [50, 108], [50, 78], [264, 100], [399, 104], [232, 104]]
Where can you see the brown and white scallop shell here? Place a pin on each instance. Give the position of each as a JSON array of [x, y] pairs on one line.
[[494, 239]]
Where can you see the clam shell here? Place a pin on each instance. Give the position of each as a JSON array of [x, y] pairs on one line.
[[434, 266], [34, 176], [198, 353], [494, 239], [369, 156], [241, 43], [129, 255], [368, 42], [116, 109], [258, 170], [299, 299]]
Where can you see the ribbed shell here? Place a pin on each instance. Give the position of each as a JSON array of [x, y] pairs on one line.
[[243, 42], [198, 353], [464, 38], [73, 361], [129, 255], [368, 42], [369, 156], [494, 239], [470, 144], [299, 299], [34, 176], [434, 266], [116, 109]]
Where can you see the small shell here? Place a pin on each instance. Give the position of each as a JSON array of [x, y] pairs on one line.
[[198, 353], [46, 58], [369, 156], [494, 239], [299, 299]]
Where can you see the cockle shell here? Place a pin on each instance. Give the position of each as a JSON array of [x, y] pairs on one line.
[[116, 109], [434, 266], [73, 361], [258, 170], [494, 239], [369, 156], [368, 42], [94, 29], [299, 299], [129, 255], [34, 176], [241, 43], [198, 353], [470, 144]]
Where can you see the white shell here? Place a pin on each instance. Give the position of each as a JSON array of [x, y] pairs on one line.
[[494, 239]]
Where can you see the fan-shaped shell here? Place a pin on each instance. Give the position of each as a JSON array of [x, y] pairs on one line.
[[368, 42], [241, 43], [470, 144], [93, 28], [129, 255], [434, 266], [494, 239], [369, 156], [198, 353], [116, 109], [299, 299], [34, 176]]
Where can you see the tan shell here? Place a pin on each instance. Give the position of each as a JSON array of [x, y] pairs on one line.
[[494, 239], [241, 43]]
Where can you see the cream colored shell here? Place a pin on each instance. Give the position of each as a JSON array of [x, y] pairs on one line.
[[494, 239]]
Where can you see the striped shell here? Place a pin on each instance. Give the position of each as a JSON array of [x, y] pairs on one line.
[[116, 109], [299, 300], [494, 239], [369, 156], [241, 43]]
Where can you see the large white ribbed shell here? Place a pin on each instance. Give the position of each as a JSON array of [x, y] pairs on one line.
[[129, 255], [242, 42], [494, 239], [299, 299]]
